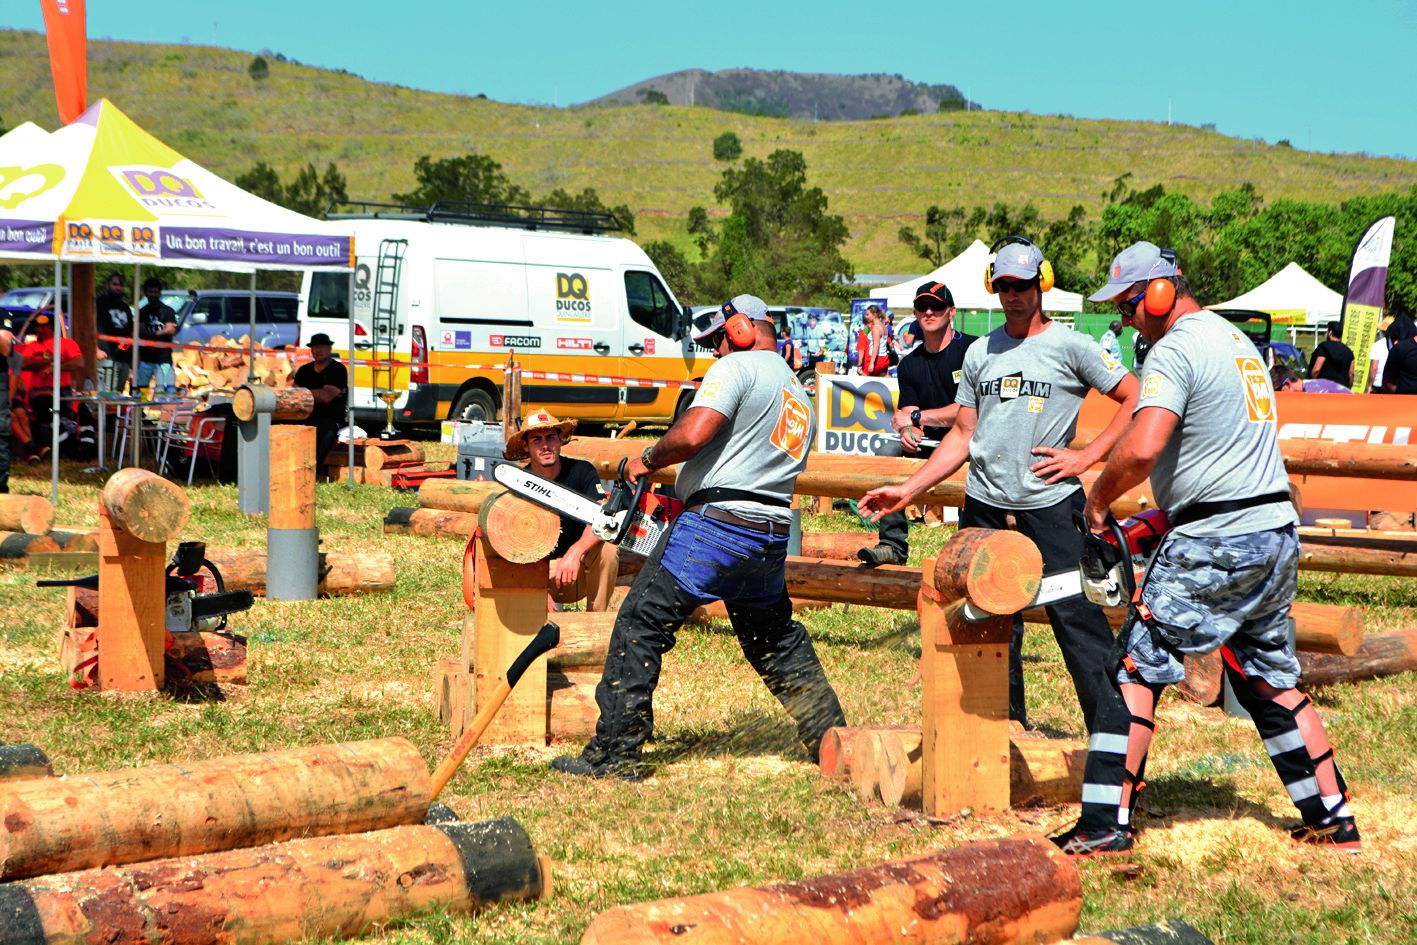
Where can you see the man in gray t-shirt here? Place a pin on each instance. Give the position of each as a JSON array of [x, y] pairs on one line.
[[1019, 394], [1225, 573], [743, 441]]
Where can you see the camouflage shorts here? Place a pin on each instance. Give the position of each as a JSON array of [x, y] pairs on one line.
[[1207, 592]]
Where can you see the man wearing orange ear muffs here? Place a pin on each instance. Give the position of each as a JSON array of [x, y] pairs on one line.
[[1225, 573]]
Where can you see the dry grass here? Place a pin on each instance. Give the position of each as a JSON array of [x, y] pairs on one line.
[[736, 802]]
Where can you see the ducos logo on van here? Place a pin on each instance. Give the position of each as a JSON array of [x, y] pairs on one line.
[[572, 297]]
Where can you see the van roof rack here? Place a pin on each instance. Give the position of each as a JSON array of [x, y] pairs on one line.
[[479, 214]]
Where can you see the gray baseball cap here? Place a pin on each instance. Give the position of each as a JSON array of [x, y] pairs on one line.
[[1138, 262], [706, 323], [1017, 261]]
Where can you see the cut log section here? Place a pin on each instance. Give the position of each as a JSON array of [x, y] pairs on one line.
[[145, 505], [75, 539], [1007, 892], [997, 571], [23, 763], [457, 495], [292, 484], [585, 641], [341, 572], [208, 657], [323, 887], [113, 817], [1381, 654], [571, 712], [435, 523], [1205, 674], [290, 403], [836, 546], [31, 514], [17, 546], [381, 453], [517, 530]]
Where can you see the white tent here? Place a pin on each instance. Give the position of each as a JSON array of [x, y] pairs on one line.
[[1291, 291], [965, 276]]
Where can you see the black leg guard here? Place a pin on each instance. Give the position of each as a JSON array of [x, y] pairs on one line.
[[1295, 762], [1110, 785]]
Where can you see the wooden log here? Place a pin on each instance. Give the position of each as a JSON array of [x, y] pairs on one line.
[[31, 514], [145, 505], [511, 609], [132, 600], [716, 610], [997, 571], [457, 495], [886, 585], [23, 763], [1205, 673], [292, 493], [446, 680], [210, 657], [17, 546], [317, 888], [341, 572], [836, 755], [571, 712], [1009, 891], [585, 641], [517, 530], [111, 817], [291, 403], [1398, 561], [1381, 654], [1303, 457], [434, 523], [835, 546], [76, 539], [1357, 537], [381, 453]]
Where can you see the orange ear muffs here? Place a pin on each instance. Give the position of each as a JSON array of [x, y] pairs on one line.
[[1160, 296], [1045, 268], [738, 327], [1045, 275]]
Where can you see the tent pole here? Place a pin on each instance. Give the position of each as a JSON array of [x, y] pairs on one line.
[[58, 319], [349, 390], [134, 420], [251, 335]]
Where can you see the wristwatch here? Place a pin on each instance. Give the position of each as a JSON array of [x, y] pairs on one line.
[[644, 457], [915, 417]]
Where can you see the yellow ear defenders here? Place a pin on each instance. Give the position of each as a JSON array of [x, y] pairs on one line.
[[738, 327], [1045, 268], [1161, 293]]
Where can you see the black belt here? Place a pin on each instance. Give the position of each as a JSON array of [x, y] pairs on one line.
[[705, 496], [723, 515], [1199, 510]]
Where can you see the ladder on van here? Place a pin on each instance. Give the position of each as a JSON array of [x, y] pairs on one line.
[[385, 316]]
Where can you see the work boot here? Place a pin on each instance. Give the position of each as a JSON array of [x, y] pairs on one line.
[[1340, 832], [1084, 843], [880, 554], [578, 766]]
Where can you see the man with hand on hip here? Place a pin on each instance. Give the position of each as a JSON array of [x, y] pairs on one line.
[[743, 441]]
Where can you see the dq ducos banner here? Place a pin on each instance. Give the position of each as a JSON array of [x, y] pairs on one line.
[[854, 415], [1364, 294], [68, 50]]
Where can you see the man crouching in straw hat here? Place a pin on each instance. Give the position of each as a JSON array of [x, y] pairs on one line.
[[582, 566]]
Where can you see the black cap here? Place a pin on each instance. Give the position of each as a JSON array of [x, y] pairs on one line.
[[320, 338], [937, 291]]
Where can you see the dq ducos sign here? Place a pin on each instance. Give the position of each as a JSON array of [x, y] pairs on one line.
[[854, 415]]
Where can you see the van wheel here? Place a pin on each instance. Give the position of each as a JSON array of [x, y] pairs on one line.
[[475, 405], [685, 399]]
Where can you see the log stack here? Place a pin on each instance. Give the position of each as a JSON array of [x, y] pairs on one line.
[[221, 365], [26, 514], [377, 461]]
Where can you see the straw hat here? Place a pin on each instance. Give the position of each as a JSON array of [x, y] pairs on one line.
[[541, 420]]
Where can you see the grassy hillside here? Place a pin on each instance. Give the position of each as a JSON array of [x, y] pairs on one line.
[[657, 159]]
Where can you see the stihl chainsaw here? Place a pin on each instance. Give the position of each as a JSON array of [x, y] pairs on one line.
[[632, 517], [1107, 573]]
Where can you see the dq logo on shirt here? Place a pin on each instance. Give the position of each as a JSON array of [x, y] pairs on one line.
[[1259, 396], [794, 423]]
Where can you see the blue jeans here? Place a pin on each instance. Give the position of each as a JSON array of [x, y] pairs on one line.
[[148, 370], [698, 561]]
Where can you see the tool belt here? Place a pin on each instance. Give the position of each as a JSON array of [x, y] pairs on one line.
[[705, 496], [1199, 510]]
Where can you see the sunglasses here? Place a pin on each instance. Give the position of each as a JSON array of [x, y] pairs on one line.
[[1014, 285], [1128, 307], [939, 307]]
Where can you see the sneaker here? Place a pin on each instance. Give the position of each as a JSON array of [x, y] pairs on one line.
[[880, 554], [1084, 843], [578, 766], [1340, 832]]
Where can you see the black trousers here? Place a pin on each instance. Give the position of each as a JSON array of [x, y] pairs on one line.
[[4, 441], [1079, 625], [326, 438], [894, 529], [776, 645]]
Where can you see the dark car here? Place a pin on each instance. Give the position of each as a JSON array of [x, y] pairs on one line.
[[1256, 326], [227, 312], [17, 305]]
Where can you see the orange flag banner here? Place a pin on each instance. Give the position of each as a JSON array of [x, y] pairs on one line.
[[64, 23]]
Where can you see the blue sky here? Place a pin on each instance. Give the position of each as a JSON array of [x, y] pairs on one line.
[[1330, 76]]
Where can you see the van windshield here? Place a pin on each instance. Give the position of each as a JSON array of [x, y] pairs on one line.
[[329, 295]]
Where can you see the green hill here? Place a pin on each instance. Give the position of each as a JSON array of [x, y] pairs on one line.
[[658, 159]]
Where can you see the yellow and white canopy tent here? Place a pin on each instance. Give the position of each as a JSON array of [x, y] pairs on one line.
[[1292, 297], [103, 190]]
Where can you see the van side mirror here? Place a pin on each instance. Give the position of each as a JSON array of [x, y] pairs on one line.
[[197, 318], [682, 324]]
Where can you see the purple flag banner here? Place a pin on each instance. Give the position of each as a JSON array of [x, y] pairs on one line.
[[26, 236], [1365, 294], [279, 249]]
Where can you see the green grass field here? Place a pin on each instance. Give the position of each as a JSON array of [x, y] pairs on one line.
[[879, 174], [734, 800]]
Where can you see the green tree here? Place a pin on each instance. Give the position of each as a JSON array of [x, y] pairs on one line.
[[309, 193], [263, 181], [727, 147], [472, 178], [653, 97], [945, 235], [682, 275], [588, 201], [700, 229], [259, 68]]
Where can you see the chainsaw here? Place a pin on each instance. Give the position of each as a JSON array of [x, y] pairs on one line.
[[632, 517], [1107, 573]]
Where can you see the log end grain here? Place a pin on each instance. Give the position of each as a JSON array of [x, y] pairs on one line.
[[243, 403], [517, 530], [31, 514], [997, 571], [145, 505]]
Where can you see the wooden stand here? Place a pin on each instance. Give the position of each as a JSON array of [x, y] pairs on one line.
[[823, 503], [965, 668]]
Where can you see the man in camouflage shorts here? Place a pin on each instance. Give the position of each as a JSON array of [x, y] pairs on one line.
[[1224, 574]]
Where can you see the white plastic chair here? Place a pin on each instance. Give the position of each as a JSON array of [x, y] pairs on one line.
[[178, 421], [203, 432]]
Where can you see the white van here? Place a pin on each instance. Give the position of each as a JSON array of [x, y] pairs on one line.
[[443, 300]]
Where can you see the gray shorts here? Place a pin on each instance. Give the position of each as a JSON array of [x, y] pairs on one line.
[[1204, 593]]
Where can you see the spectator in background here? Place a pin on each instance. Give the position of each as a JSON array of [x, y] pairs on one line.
[[115, 319], [872, 354], [156, 322], [7, 341], [790, 350], [1400, 372], [1284, 379], [1111, 340], [39, 369], [328, 380], [1377, 360], [1333, 360], [1140, 346]]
